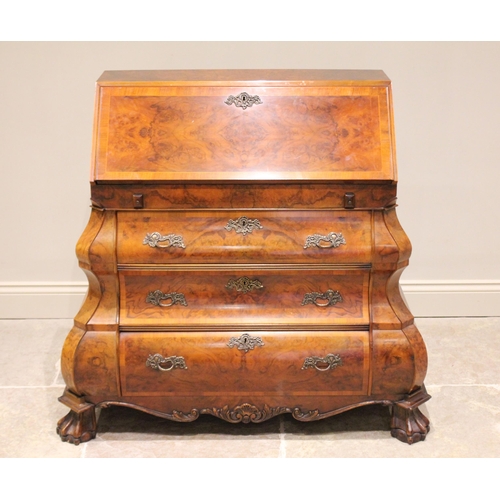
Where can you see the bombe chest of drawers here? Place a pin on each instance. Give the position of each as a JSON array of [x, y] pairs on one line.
[[243, 252]]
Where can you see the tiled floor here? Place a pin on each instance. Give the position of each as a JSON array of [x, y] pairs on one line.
[[463, 379]]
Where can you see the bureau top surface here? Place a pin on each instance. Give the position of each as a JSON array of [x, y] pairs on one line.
[[243, 125], [246, 77]]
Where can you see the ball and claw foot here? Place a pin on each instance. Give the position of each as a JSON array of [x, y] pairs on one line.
[[76, 428], [408, 423]]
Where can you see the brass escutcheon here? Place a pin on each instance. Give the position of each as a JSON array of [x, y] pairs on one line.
[[243, 225], [243, 100], [245, 342]]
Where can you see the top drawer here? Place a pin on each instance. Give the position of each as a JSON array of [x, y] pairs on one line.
[[252, 236], [254, 131]]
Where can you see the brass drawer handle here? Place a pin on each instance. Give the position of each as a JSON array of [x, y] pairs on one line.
[[158, 362], [329, 362], [331, 297], [243, 225], [244, 284], [333, 240], [154, 240], [245, 342], [157, 296], [243, 100]]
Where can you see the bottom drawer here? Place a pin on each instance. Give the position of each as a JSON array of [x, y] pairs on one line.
[[246, 364]]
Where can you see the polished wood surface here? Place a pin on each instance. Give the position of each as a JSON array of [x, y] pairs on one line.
[[276, 237], [304, 134], [273, 369], [278, 300], [246, 77], [244, 263], [178, 196]]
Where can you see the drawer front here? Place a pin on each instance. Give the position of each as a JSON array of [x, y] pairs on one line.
[[259, 363], [220, 297], [201, 133], [341, 237]]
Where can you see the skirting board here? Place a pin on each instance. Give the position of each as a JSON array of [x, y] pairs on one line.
[[426, 298]]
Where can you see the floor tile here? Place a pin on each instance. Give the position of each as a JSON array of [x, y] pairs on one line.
[[462, 350], [199, 448], [28, 419], [465, 422], [31, 351]]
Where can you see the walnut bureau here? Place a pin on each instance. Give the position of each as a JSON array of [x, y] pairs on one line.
[[243, 252]]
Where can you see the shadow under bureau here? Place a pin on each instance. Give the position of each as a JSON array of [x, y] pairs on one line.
[[243, 252]]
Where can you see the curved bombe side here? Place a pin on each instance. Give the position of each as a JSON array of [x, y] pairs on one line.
[[93, 339], [399, 352]]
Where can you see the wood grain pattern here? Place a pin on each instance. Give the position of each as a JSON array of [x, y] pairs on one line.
[[91, 300], [210, 302], [175, 134], [167, 196], [92, 341], [392, 363], [213, 368], [281, 239]]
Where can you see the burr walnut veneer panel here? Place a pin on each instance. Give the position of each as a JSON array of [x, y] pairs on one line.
[[291, 236], [275, 366], [214, 297], [167, 133]]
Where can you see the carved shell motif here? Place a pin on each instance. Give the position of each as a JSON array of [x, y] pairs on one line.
[[246, 413]]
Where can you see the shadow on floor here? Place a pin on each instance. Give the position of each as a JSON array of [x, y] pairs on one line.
[[132, 424]]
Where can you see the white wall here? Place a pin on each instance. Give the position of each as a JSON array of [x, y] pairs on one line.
[[447, 114]]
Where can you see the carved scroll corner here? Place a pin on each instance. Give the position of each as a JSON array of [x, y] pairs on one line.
[[306, 416]]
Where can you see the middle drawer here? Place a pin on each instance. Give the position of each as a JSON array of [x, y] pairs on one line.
[[243, 298], [254, 236]]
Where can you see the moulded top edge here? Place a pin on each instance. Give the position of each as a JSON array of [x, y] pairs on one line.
[[244, 78]]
